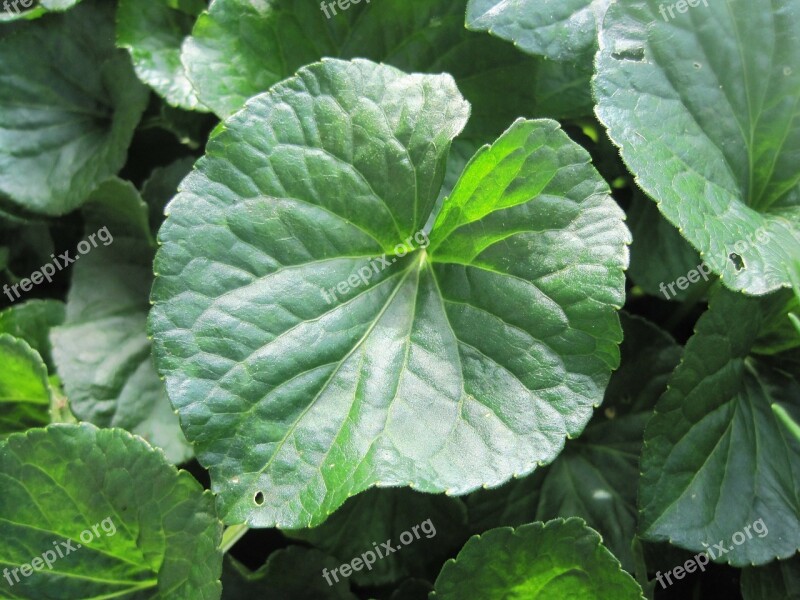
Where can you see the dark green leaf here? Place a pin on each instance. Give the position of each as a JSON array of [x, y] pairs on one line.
[[32, 322]]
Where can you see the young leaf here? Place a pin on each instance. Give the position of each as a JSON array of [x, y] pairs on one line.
[[24, 390], [717, 458], [239, 49], [778, 580], [539, 561], [558, 29], [595, 477], [451, 367], [294, 573], [32, 322], [702, 104], [383, 515], [102, 351], [69, 102], [153, 33], [152, 531]]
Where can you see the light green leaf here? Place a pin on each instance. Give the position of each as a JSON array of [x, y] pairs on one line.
[[596, 475], [32, 322], [24, 390], [293, 573], [69, 102], [539, 561], [704, 109], [152, 531], [384, 515], [558, 29], [779, 580], [102, 351], [239, 49], [717, 458], [301, 385], [153, 32]]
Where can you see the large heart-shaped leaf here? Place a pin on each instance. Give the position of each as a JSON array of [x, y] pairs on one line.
[[539, 561], [25, 393], [239, 49], [718, 454], [596, 475], [69, 102], [452, 364], [558, 29], [105, 516], [703, 104], [102, 351], [153, 32]]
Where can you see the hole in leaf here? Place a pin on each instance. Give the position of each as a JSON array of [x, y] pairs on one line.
[[259, 498], [738, 261], [634, 54]]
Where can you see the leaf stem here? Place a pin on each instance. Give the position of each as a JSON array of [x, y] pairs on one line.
[[231, 535], [785, 418]]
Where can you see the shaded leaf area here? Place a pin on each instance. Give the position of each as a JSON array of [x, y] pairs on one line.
[[302, 385], [102, 351], [152, 531], [432, 529], [722, 451], [779, 580], [703, 108], [539, 561], [69, 103], [294, 573], [596, 475]]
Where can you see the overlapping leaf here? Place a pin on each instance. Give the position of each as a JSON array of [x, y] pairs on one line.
[[152, 531], [102, 351], [239, 49], [720, 453], [153, 32], [539, 561], [25, 393], [69, 102], [703, 104]]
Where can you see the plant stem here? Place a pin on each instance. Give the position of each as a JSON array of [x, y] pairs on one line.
[[231, 535]]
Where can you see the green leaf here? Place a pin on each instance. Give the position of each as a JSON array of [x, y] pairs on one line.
[[69, 102], [558, 29], [16, 9], [153, 33], [161, 186], [717, 458], [779, 580], [539, 561], [239, 49], [32, 322], [703, 107], [595, 478], [660, 255], [24, 389], [384, 515], [102, 350], [299, 394], [294, 573], [155, 530]]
